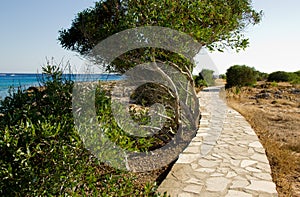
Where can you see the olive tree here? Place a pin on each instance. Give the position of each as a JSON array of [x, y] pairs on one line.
[[215, 24]]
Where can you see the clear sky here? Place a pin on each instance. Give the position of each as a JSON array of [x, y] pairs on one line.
[[274, 43], [29, 31]]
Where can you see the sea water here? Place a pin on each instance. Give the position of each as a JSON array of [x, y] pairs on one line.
[[12, 81]]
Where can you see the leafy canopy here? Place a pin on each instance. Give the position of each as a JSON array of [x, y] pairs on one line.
[[216, 24]]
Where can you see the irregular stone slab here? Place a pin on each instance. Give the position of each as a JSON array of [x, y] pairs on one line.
[[256, 145], [239, 184], [253, 169], [262, 186], [192, 149], [196, 189], [246, 163], [195, 181], [260, 157], [217, 184], [207, 170], [187, 158], [186, 194], [231, 174], [207, 163], [233, 193]]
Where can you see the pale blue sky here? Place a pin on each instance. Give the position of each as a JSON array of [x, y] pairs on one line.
[[29, 31], [274, 43]]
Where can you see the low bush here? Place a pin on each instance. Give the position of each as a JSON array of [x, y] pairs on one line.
[[42, 153], [204, 79], [282, 76], [239, 76], [279, 76], [222, 76], [199, 82], [261, 76]]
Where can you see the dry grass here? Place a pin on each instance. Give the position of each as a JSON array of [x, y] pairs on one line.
[[277, 124]]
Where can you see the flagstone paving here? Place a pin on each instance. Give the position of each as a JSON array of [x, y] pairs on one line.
[[224, 159]]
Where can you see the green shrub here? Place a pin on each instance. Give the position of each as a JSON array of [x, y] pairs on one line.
[[240, 76], [204, 79], [295, 77], [279, 76], [297, 73], [274, 84], [222, 76], [261, 76], [295, 80], [42, 153], [282, 76], [200, 82]]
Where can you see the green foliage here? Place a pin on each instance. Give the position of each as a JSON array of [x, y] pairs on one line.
[[204, 78], [37, 103], [282, 76], [199, 82], [240, 76], [214, 24], [261, 76], [297, 73], [42, 153], [236, 90], [208, 76], [222, 76], [279, 76], [274, 84], [295, 80], [116, 134]]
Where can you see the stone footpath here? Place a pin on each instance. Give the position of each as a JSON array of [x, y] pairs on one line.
[[224, 159]]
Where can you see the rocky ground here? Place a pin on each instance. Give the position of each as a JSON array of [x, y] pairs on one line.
[[273, 110]]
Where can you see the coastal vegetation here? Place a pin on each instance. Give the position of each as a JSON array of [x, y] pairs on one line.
[[42, 154], [282, 76], [241, 75]]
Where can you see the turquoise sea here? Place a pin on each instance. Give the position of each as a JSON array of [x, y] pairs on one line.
[[10, 81]]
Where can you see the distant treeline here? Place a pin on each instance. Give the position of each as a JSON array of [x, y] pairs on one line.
[[242, 75]]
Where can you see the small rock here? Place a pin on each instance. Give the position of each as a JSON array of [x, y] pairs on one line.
[[278, 96], [263, 96], [295, 91]]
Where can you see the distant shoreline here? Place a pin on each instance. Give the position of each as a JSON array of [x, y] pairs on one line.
[[30, 73], [26, 80]]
